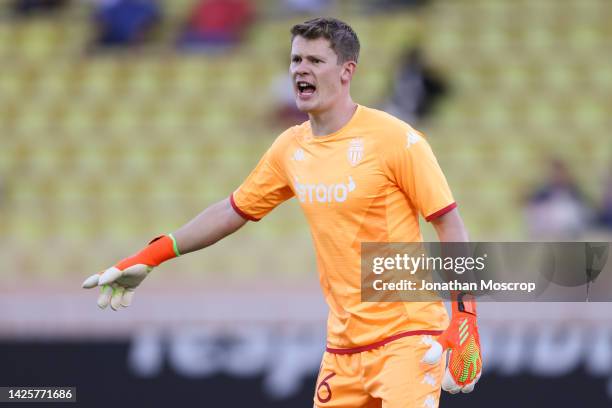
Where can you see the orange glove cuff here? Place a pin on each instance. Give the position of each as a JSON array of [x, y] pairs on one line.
[[159, 250]]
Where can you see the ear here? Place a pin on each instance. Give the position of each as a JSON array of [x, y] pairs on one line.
[[348, 70]]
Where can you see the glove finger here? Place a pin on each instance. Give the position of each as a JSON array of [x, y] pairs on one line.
[[109, 276], [470, 386], [105, 296], [449, 384], [117, 296], [91, 282], [126, 300], [433, 355]]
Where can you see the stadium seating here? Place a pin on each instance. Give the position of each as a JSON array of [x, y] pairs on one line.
[[107, 151]]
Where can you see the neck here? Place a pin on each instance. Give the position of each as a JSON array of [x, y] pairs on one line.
[[332, 120]]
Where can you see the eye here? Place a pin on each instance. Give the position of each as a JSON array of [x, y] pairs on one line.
[[296, 59]]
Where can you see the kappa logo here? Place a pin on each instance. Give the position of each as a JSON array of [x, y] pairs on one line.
[[355, 151], [324, 193], [412, 138], [299, 155]]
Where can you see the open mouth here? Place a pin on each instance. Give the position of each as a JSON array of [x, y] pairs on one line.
[[305, 88]]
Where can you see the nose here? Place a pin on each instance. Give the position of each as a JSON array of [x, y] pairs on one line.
[[298, 68]]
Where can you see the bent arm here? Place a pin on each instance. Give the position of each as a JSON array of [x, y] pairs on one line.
[[211, 225], [450, 228]]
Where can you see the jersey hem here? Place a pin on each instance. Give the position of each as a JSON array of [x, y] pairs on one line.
[[239, 211], [381, 343], [441, 212]]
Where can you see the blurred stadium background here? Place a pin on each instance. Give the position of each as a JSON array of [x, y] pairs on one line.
[[100, 152]]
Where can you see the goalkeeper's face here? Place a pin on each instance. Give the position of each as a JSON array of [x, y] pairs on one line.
[[319, 81]]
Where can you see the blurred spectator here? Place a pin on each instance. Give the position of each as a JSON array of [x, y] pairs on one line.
[[306, 6], [405, 3], [391, 5], [216, 25], [286, 113], [123, 23], [416, 88], [557, 210], [604, 218], [31, 7]]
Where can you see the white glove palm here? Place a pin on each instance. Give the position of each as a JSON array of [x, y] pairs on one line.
[[117, 286]]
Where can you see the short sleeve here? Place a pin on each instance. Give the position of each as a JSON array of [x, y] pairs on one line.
[[264, 189], [411, 164]]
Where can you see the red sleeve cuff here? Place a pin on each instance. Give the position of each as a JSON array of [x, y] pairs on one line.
[[441, 212], [239, 211]]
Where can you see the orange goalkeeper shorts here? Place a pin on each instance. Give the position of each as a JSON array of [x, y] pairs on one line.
[[391, 375]]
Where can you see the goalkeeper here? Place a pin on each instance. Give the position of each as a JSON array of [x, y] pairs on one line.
[[360, 175]]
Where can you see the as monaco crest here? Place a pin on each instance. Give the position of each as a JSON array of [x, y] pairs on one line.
[[355, 151]]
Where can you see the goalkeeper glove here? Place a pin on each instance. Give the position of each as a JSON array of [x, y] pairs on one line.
[[461, 336], [119, 282]]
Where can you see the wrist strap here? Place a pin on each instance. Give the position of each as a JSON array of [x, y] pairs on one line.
[[464, 302], [174, 244], [159, 250]]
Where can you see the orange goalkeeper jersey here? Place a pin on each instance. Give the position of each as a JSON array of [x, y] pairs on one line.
[[367, 182]]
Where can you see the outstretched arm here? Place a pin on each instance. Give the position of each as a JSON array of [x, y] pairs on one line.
[[211, 225], [119, 281]]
